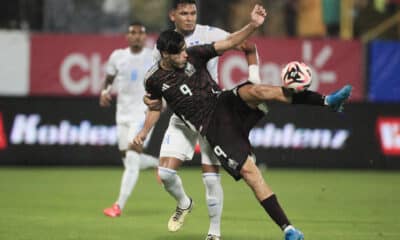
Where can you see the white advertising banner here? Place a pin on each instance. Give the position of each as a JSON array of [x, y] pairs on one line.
[[14, 63]]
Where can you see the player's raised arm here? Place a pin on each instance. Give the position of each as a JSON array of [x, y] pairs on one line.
[[257, 19]]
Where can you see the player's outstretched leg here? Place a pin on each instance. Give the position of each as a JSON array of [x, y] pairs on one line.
[[337, 99], [292, 233], [254, 179]]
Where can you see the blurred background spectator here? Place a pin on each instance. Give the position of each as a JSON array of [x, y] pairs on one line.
[[303, 18]]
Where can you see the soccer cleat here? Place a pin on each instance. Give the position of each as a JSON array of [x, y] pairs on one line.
[[292, 233], [114, 211], [213, 237], [337, 99], [178, 218]]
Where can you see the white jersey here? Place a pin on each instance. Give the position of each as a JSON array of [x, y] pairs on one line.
[[203, 34], [129, 70]]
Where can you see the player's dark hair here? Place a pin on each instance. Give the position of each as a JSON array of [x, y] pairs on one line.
[[171, 42], [175, 3], [136, 23]]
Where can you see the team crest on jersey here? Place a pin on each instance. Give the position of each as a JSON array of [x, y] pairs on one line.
[[189, 69], [232, 164]]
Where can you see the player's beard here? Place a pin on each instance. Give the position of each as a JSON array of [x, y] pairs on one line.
[[136, 47], [186, 32], [178, 65]]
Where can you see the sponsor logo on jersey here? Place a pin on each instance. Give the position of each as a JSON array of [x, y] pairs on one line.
[[388, 129], [164, 87], [3, 138], [189, 69], [289, 136], [29, 129]]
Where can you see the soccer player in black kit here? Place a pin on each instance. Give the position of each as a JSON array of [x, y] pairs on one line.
[[181, 78]]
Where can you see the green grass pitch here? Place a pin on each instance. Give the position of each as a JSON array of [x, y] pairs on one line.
[[67, 204]]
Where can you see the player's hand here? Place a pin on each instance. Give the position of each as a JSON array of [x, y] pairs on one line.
[[152, 104], [258, 15], [105, 98], [137, 142]]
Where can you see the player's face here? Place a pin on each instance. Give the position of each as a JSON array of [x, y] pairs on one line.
[[184, 17], [136, 37], [178, 60]]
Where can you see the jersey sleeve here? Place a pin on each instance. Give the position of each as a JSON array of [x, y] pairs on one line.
[[216, 34], [201, 54], [111, 67], [152, 89]]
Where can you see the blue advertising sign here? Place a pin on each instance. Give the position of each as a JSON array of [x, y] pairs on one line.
[[384, 74]]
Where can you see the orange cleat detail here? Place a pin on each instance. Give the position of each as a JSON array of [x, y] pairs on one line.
[[113, 211]]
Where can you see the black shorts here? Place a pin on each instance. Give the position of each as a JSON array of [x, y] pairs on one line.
[[228, 131]]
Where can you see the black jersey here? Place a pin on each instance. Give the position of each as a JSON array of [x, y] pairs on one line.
[[190, 92]]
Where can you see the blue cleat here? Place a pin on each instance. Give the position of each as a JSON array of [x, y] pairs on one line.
[[337, 99], [292, 233]]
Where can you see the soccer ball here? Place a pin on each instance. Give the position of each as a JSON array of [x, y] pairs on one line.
[[297, 76]]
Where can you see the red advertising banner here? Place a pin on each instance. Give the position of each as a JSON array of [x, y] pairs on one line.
[[74, 64], [388, 129], [70, 64], [333, 63]]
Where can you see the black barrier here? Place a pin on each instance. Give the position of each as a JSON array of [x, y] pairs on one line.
[[304, 136], [61, 131], [76, 131]]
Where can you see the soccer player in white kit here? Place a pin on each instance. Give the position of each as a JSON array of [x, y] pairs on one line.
[[179, 141], [127, 67]]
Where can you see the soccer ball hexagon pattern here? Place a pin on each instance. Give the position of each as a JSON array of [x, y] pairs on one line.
[[297, 76]]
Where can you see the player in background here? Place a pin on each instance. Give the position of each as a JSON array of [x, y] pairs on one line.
[[179, 141], [224, 118], [127, 68]]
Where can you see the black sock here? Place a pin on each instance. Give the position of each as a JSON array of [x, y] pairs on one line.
[[275, 211], [309, 98]]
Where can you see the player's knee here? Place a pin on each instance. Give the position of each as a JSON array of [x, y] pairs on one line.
[[166, 174], [211, 180], [132, 161], [249, 170]]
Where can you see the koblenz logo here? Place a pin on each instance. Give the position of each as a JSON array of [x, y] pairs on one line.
[[27, 129], [3, 138], [298, 138], [389, 132]]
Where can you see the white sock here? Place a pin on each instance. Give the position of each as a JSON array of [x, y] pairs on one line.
[[215, 199], [129, 177], [173, 184], [148, 161], [254, 74]]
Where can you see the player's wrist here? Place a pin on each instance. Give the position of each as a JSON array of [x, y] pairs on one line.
[[106, 90], [254, 74], [254, 25]]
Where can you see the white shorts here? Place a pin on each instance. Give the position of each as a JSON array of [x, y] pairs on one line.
[[180, 141], [126, 131]]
